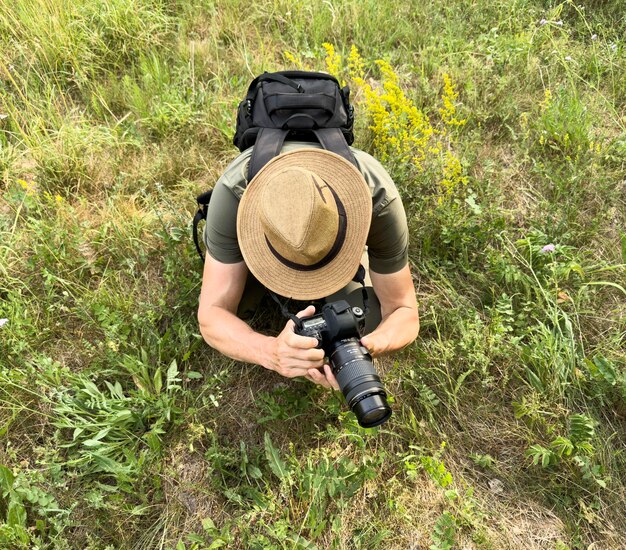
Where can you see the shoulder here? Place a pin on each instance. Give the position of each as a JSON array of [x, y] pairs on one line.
[[234, 178], [382, 186]]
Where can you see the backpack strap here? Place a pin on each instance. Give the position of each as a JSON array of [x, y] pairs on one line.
[[268, 145], [332, 139], [270, 142], [203, 204]]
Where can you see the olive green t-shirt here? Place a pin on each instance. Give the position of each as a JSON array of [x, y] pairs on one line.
[[387, 242]]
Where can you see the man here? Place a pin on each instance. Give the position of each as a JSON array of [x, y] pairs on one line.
[[300, 227]]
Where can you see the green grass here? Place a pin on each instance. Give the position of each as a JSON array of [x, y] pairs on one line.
[[120, 428]]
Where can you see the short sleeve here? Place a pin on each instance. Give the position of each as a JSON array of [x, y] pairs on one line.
[[388, 239], [220, 233]]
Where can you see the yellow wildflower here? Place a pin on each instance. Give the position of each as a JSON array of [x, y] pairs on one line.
[[356, 67], [333, 59], [401, 132], [449, 96], [453, 179], [30, 187], [547, 99], [293, 59], [400, 129]]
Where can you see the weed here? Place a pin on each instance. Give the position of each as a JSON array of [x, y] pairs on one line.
[[443, 535]]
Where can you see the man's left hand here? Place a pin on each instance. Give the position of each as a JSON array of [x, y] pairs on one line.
[[326, 378]]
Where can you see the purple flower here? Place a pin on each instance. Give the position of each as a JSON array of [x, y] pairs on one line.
[[548, 248]]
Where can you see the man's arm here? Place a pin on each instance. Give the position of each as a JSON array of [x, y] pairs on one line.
[[289, 354], [400, 318]]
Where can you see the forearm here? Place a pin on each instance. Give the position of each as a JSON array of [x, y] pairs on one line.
[[397, 330], [228, 334]]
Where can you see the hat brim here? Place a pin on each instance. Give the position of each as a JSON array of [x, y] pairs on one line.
[[353, 192]]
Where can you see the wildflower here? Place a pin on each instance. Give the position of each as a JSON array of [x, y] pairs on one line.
[[568, 58], [453, 179], [449, 109], [594, 37], [400, 129], [2, 117], [548, 248], [30, 188], [355, 63], [613, 47], [333, 59], [292, 59], [3, 322], [543, 22], [113, 346], [559, 23], [547, 99]]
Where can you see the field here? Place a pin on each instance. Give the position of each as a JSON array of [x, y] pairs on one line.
[[502, 123]]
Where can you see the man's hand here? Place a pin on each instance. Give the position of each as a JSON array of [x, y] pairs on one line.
[[326, 379], [374, 343], [294, 355], [398, 306]]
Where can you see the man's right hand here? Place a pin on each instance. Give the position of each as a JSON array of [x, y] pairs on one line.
[[294, 355], [288, 354]]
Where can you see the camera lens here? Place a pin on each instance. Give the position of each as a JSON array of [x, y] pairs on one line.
[[372, 411], [360, 384]]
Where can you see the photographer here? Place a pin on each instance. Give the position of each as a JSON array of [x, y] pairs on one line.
[[300, 229]]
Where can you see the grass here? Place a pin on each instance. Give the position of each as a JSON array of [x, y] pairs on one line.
[[503, 124]]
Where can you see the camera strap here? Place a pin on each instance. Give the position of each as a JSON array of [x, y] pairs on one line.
[[283, 308], [359, 277]]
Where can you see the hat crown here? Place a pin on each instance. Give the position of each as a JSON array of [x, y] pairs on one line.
[[296, 201], [299, 215]]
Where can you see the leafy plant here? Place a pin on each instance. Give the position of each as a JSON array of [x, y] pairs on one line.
[[112, 429], [576, 449], [29, 514], [484, 461], [444, 533]]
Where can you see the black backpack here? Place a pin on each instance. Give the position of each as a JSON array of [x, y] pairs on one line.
[[289, 105]]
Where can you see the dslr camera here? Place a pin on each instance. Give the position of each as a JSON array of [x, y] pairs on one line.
[[337, 329]]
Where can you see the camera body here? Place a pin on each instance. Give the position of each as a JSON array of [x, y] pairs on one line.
[[338, 321], [337, 330]]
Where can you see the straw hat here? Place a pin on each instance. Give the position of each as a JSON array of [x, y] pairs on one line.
[[303, 222]]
